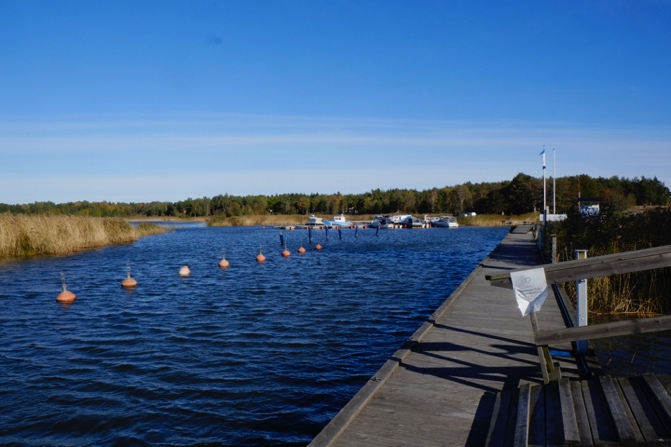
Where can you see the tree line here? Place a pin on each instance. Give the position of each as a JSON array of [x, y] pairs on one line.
[[523, 194]]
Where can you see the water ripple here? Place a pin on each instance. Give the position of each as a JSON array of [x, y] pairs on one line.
[[254, 355]]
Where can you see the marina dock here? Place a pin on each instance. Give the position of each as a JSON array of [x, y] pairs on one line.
[[440, 388], [474, 375]]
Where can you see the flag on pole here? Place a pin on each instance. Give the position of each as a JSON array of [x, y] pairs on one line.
[[543, 154]]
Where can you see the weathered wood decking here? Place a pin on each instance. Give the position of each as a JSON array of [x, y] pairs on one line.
[[601, 411], [440, 388]]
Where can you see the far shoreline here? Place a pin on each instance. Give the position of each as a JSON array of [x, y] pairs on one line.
[[484, 220]]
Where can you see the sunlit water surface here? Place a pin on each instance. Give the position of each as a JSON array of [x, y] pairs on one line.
[[255, 355]]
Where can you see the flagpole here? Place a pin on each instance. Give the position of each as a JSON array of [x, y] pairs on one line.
[[545, 213], [554, 178]]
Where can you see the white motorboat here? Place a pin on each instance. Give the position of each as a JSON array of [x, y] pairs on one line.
[[400, 219], [446, 222], [315, 221]]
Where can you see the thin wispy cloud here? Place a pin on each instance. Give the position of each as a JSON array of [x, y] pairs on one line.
[[171, 158]]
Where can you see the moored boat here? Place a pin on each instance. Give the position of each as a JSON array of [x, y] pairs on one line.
[[406, 221], [446, 222], [381, 222], [315, 221], [338, 221]]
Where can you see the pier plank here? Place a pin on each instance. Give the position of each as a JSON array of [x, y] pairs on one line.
[[651, 428], [501, 430], [523, 416], [536, 420], [600, 422], [570, 432], [622, 424], [661, 396], [581, 415]]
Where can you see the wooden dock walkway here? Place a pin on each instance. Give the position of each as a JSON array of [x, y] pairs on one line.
[[440, 388]]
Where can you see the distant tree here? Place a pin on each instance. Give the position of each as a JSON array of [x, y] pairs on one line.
[[460, 199], [522, 194]]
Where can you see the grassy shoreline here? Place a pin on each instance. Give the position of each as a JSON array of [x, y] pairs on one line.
[[31, 235], [25, 235]]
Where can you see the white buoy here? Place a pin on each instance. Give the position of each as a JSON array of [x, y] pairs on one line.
[[185, 271]]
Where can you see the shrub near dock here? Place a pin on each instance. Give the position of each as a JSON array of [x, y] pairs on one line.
[[28, 235], [641, 292]]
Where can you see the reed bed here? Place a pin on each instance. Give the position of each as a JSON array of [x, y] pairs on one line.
[[646, 292], [29, 235], [495, 220], [266, 220]]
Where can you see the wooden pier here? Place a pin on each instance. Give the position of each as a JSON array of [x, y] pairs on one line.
[[478, 373], [440, 388]]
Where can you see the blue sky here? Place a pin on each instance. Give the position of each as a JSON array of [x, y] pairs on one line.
[[135, 101]]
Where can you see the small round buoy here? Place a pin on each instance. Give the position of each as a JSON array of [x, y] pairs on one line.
[[224, 264], [286, 253], [301, 250], [318, 246], [185, 271], [66, 297], [129, 283], [260, 257]]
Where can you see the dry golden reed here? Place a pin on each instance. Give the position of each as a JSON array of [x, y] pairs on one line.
[[268, 219], [29, 235], [643, 292]]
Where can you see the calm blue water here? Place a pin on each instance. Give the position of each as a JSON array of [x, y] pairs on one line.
[[255, 355]]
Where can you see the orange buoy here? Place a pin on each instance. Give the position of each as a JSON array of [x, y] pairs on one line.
[[66, 297], [301, 250], [223, 263], [286, 253], [318, 246], [260, 258], [128, 283], [185, 271]]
